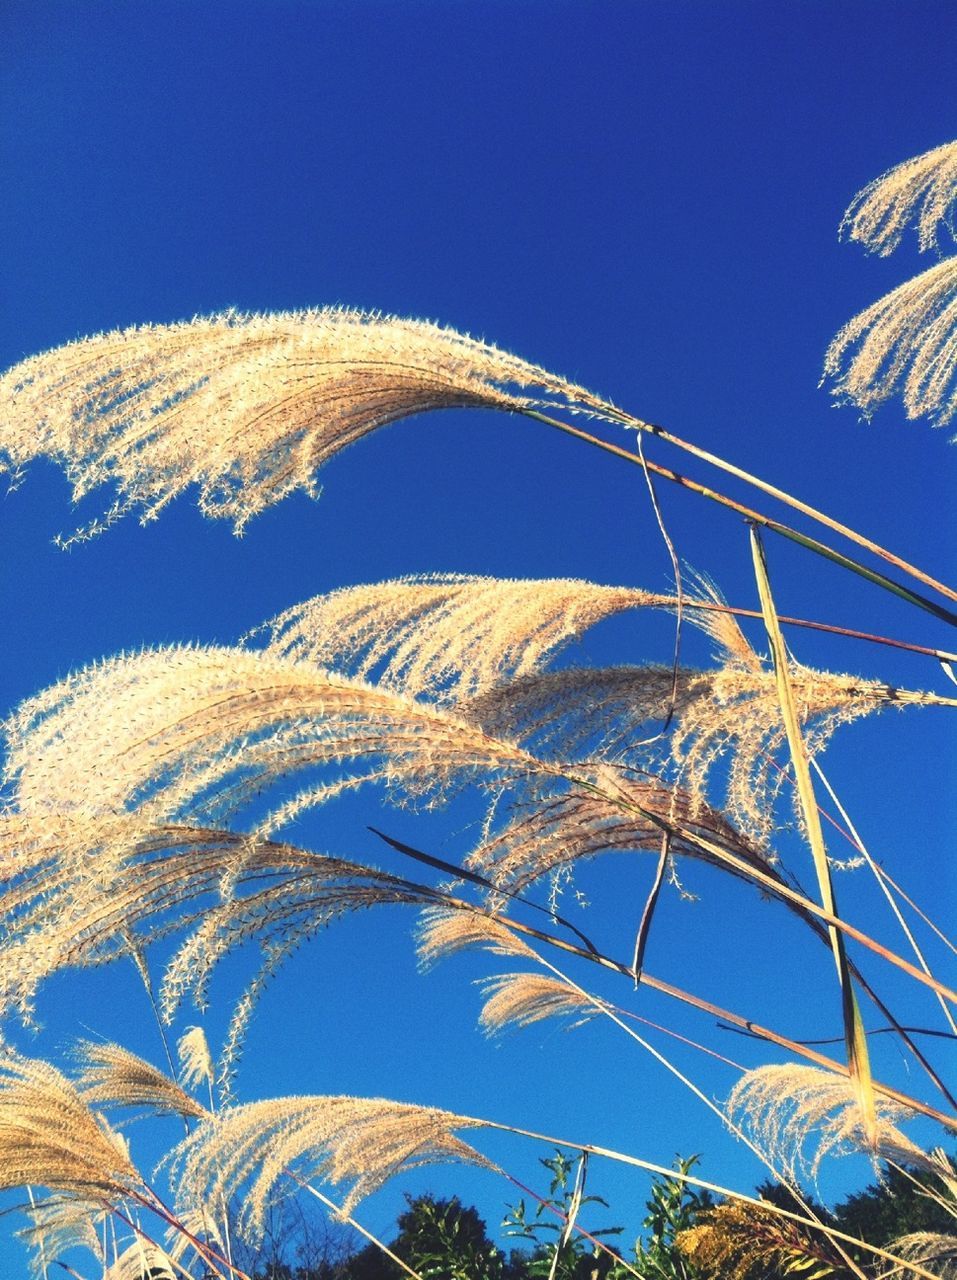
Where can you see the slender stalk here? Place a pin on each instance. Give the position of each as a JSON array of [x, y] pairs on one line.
[[356, 1226], [551, 1208], [859, 844], [756, 517], [698, 1093], [590, 952], [914, 907], [714, 606], [777, 887], [782, 496], [714, 1010]]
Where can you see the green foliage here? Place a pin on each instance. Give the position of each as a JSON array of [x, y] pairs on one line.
[[672, 1207], [560, 1253]]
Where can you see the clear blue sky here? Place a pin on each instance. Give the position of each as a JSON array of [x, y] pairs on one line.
[[644, 197]]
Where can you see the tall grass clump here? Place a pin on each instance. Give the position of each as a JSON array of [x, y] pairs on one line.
[[150, 800]]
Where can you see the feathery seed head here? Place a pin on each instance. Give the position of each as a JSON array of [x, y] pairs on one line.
[[443, 931], [247, 407], [359, 1142], [904, 344], [922, 189], [446, 635], [50, 1138], [114, 1077], [786, 1105], [195, 1059], [519, 999]]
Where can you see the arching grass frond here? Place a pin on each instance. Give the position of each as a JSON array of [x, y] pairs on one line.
[[50, 1138], [246, 407], [355, 1142], [57, 1225], [904, 344], [447, 635], [91, 890], [194, 731], [112, 1076], [791, 1109], [922, 191], [520, 999], [617, 812], [730, 713]]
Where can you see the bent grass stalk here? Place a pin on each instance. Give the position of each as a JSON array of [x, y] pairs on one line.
[[714, 1010], [809, 543], [872, 867], [689, 1084]]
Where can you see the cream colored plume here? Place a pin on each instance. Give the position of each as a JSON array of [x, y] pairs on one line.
[[194, 731], [520, 999], [50, 1138], [246, 407], [357, 1142], [449, 636], [904, 344], [58, 1225], [142, 1259], [196, 1061], [922, 190], [729, 714], [444, 931], [89, 891], [791, 1110], [112, 1076]]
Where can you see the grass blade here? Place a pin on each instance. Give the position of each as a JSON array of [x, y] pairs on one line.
[[858, 1057]]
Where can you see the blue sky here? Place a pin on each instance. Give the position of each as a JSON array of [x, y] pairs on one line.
[[643, 197]]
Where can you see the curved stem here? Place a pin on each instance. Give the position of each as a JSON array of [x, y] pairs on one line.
[[804, 540], [805, 508]]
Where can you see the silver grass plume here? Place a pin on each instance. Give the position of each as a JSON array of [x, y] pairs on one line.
[[354, 1142], [521, 999], [789, 1107], [142, 1258], [57, 1225], [112, 1076], [50, 1138], [616, 812], [922, 190], [444, 931], [448, 636], [87, 891], [195, 731], [730, 713], [247, 407], [904, 344]]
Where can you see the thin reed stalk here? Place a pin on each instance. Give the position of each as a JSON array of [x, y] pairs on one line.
[[756, 517]]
